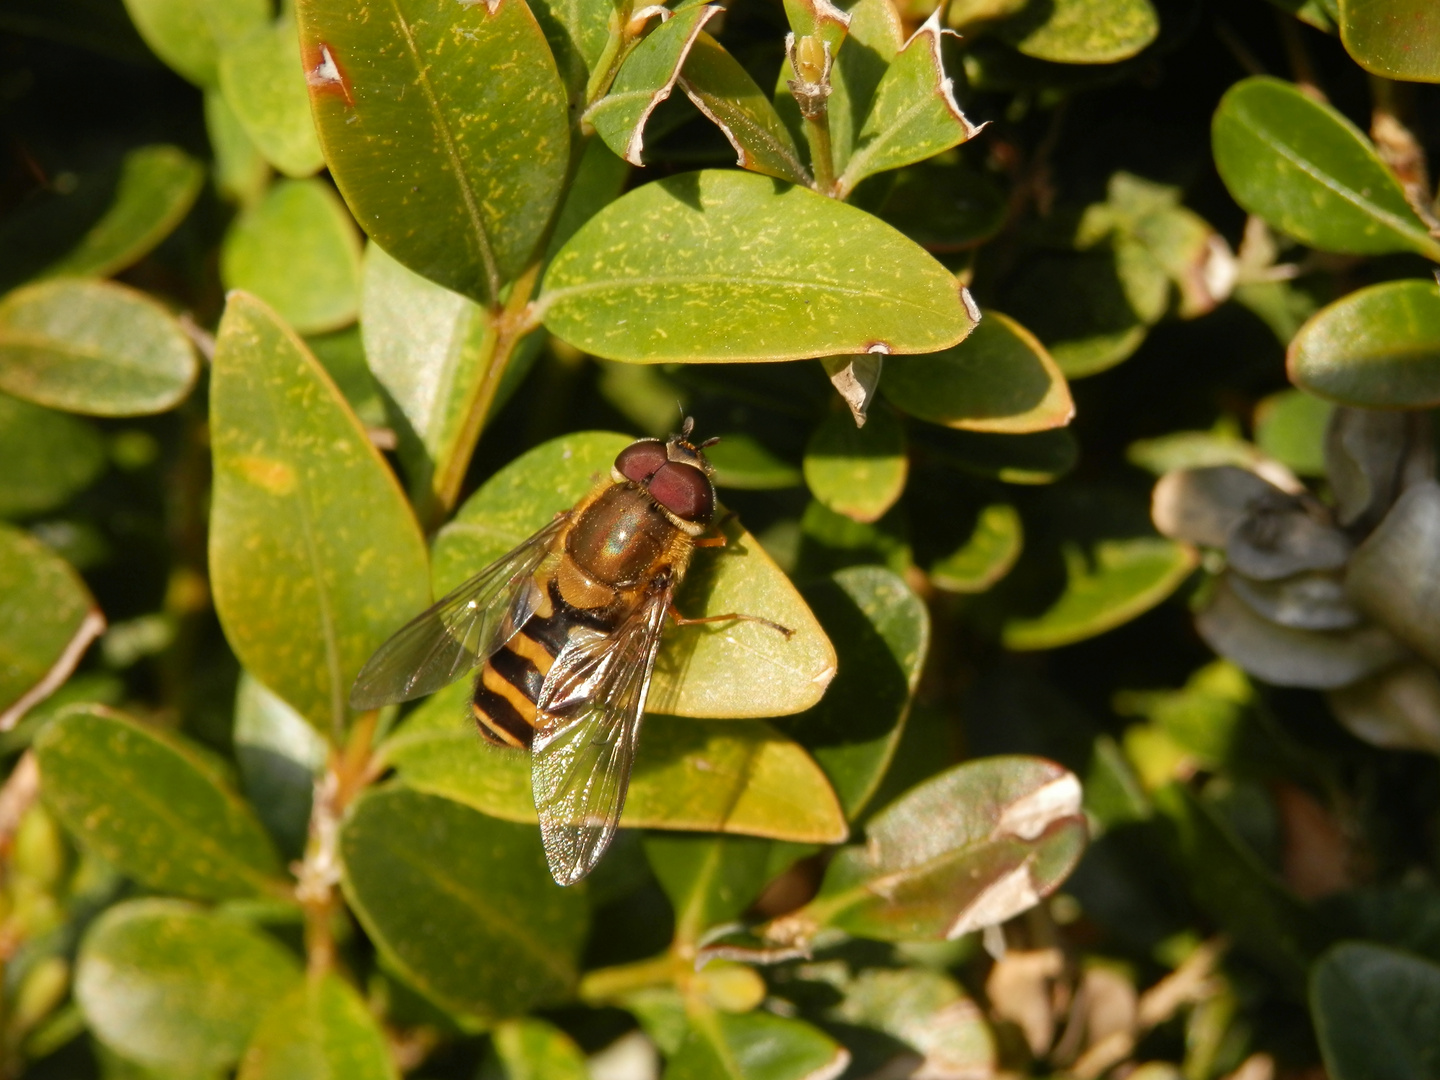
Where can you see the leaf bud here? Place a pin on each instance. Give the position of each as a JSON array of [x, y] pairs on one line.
[[811, 59]]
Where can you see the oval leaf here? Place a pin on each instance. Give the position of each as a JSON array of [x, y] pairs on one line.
[[1117, 581], [264, 85], [315, 557], [987, 556], [321, 1029], [531, 1049], [717, 776], [461, 903], [857, 471], [812, 277], [999, 379], [696, 673], [971, 847], [170, 986], [754, 1046], [450, 161], [189, 34], [1398, 39], [1376, 1012], [48, 457], [1378, 348], [1083, 31], [1309, 172], [298, 251], [157, 187], [47, 620], [93, 347], [154, 807]]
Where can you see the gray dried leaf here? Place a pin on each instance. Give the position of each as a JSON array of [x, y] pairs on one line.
[[1371, 456], [1202, 506], [1398, 709], [1394, 575], [1283, 537], [1312, 601]]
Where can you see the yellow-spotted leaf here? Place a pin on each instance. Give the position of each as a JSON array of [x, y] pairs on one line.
[[321, 1029]]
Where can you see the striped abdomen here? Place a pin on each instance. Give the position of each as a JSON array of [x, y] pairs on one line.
[[509, 682]]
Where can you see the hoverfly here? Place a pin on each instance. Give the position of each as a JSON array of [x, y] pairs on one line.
[[565, 629]]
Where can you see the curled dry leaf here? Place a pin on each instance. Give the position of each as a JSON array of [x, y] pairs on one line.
[[1278, 538], [1371, 456], [1398, 709], [1395, 573], [1202, 506]]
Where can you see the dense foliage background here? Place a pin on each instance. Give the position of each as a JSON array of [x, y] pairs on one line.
[[308, 314]]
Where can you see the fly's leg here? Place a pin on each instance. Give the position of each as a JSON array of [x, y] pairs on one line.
[[681, 620]]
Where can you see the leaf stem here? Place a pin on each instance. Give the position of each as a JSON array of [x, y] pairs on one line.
[[608, 985], [822, 158]]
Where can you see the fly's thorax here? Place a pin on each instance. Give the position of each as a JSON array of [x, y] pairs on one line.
[[619, 537]]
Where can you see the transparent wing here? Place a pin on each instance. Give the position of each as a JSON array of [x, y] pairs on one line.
[[590, 709], [459, 632]]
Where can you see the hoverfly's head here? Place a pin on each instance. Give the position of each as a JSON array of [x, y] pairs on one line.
[[675, 472]]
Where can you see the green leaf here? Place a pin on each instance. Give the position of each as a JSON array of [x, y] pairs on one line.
[[298, 251], [645, 80], [531, 1049], [342, 355], [264, 85], [93, 347], [1041, 457], [321, 1029], [818, 18], [986, 557], [189, 34], [1118, 580], [1083, 31], [49, 457], [855, 471], [157, 186], [577, 32], [169, 985], [696, 673], [709, 880], [279, 756], [1310, 173], [914, 115], [728, 96], [429, 348], [743, 463], [730, 776], [754, 1046], [944, 207], [929, 1013], [1290, 427], [154, 807], [813, 277], [241, 172], [971, 847], [1396, 39], [461, 903], [1376, 1012], [599, 179], [882, 631], [998, 379], [876, 36], [1378, 348], [315, 557], [449, 160], [47, 620]]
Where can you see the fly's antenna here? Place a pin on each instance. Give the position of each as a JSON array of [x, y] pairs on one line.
[[709, 442], [688, 426]]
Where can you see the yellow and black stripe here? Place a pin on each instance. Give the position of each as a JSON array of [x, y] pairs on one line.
[[509, 682]]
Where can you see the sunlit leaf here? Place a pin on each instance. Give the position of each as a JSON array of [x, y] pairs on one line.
[[696, 673], [1309, 172], [998, 379], [93, 347], [986, 557], [47, 620], [240, 170], [857, 471], [157, 186], [154, 807], [1397, 39], [532, 1049], [1290, 427], [315, 557], [818, 18], [320, 1029], [875, 36], [48, 457], [972, 846], [298, 251], [755, 1046], [913, 116], [645, 80], [170, 985], [447, 159], [461, 903], [1113, 583], [264, 84], [814, 277], [741, 462], [725, 92], [882, 631], [189, 34], [1083, 31], [731, 776], [1378, 348], [927, 1012]]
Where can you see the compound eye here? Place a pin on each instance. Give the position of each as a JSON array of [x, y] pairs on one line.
[[641, 460], [685, 491]]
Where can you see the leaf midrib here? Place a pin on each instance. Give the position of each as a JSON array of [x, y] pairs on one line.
[[548, 300]]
